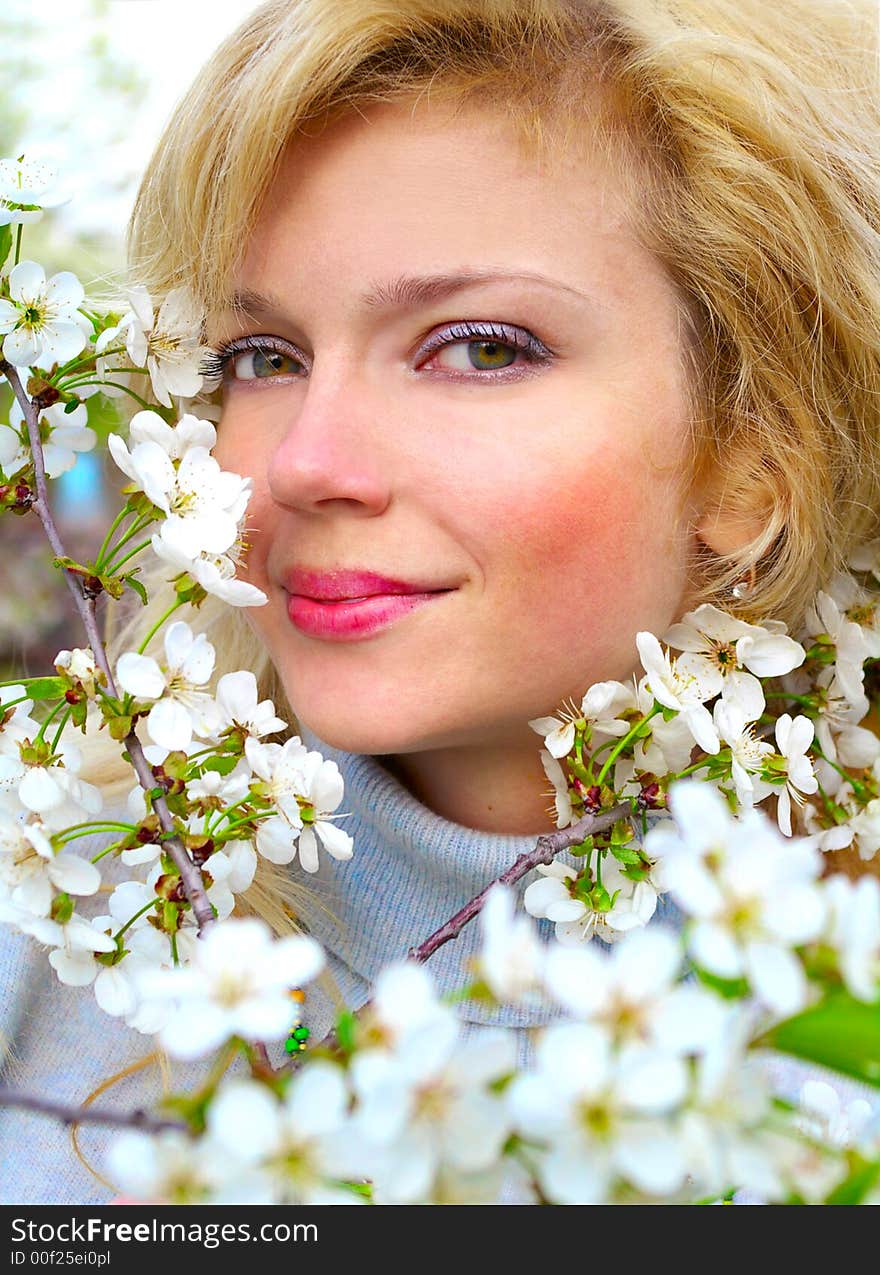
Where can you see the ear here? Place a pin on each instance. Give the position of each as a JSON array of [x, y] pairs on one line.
[[725, 532]]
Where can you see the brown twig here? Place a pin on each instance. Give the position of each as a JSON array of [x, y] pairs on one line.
[[86, 1115], [545, 851], [190, 874]]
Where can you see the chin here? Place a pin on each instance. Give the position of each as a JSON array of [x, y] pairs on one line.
[[354, 737], [374, 729]]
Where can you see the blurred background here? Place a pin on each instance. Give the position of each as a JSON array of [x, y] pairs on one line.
[[85, 85]]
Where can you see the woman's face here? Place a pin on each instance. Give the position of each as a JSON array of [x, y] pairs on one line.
[[513, 436]]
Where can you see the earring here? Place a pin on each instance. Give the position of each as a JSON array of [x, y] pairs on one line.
[[743, 586]]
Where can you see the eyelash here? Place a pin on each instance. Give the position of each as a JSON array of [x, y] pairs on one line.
[[216, 365]]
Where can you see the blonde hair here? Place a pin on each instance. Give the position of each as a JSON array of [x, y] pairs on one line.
[[745, 133]]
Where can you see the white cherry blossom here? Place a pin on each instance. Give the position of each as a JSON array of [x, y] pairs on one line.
[[237, 700], [175, 440], [599, 1114], [202, 503], [280, 768], [81, 667], [27, 186], [747, 753], [752, 894], [31, 872], [218, 790], [867, 558], [168, 344], [237, 983], [51, 790], [323, 789], [722, 1127], [839, 714], [730, 646], [668, 747], [859, 606], [405, 1001], [561, 797], [853, 930], [575, 919], [305, 789], [599, 707], [865, 826], [74, 943], [825, 1115], [824, 616], [428, 1105], [511, 957], [182, 708], [290, 1151], [214, 572], [632, 991], [19, 725], [15, 454], [115, 986], [684, 685], [165, 1168], [64, 435], [40, 318], [793, 738]]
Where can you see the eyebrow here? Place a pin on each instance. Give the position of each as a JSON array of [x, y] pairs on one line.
[[408, 292]]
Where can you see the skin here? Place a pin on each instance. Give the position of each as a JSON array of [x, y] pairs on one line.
[[553, 502]]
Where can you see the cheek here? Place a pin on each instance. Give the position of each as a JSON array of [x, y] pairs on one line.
[[581, 546], [590, 516]]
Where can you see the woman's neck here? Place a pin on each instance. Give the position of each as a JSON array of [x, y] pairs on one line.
[[490, 789]]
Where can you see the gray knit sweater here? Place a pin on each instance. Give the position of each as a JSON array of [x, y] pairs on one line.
[[410, 872]]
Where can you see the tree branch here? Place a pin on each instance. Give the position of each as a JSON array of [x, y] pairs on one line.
[[545, 851], [136, 1119], [190, 874]]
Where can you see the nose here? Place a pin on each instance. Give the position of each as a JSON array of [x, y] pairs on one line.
[[334, 449]]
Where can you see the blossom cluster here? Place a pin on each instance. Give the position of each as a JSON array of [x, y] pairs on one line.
[[706, 710], [267, 799], [645, 1086]]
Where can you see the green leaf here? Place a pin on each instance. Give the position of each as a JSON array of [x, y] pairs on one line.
[[223, 765], [626, 855], [70, 406], [119, 727], [5, 242], [137, 587], [857, 1185], [44, 687], [729, 988], [841, 1033], [346, 1024]]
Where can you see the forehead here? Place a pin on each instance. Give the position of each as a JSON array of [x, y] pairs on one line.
[[424, 188]]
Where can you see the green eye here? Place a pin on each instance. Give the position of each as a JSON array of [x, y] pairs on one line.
[[263, 362], [489, 355]]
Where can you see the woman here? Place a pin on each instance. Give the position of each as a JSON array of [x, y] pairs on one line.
[[539, 322]]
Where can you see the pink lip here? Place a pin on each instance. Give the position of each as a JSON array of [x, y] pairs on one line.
[[344, 606], [343, 586]]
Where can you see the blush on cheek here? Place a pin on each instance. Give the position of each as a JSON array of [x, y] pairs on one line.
[[584, 568], [585, 525]]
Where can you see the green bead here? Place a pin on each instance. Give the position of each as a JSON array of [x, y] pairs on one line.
[[292, 1046], [300, 1033]]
